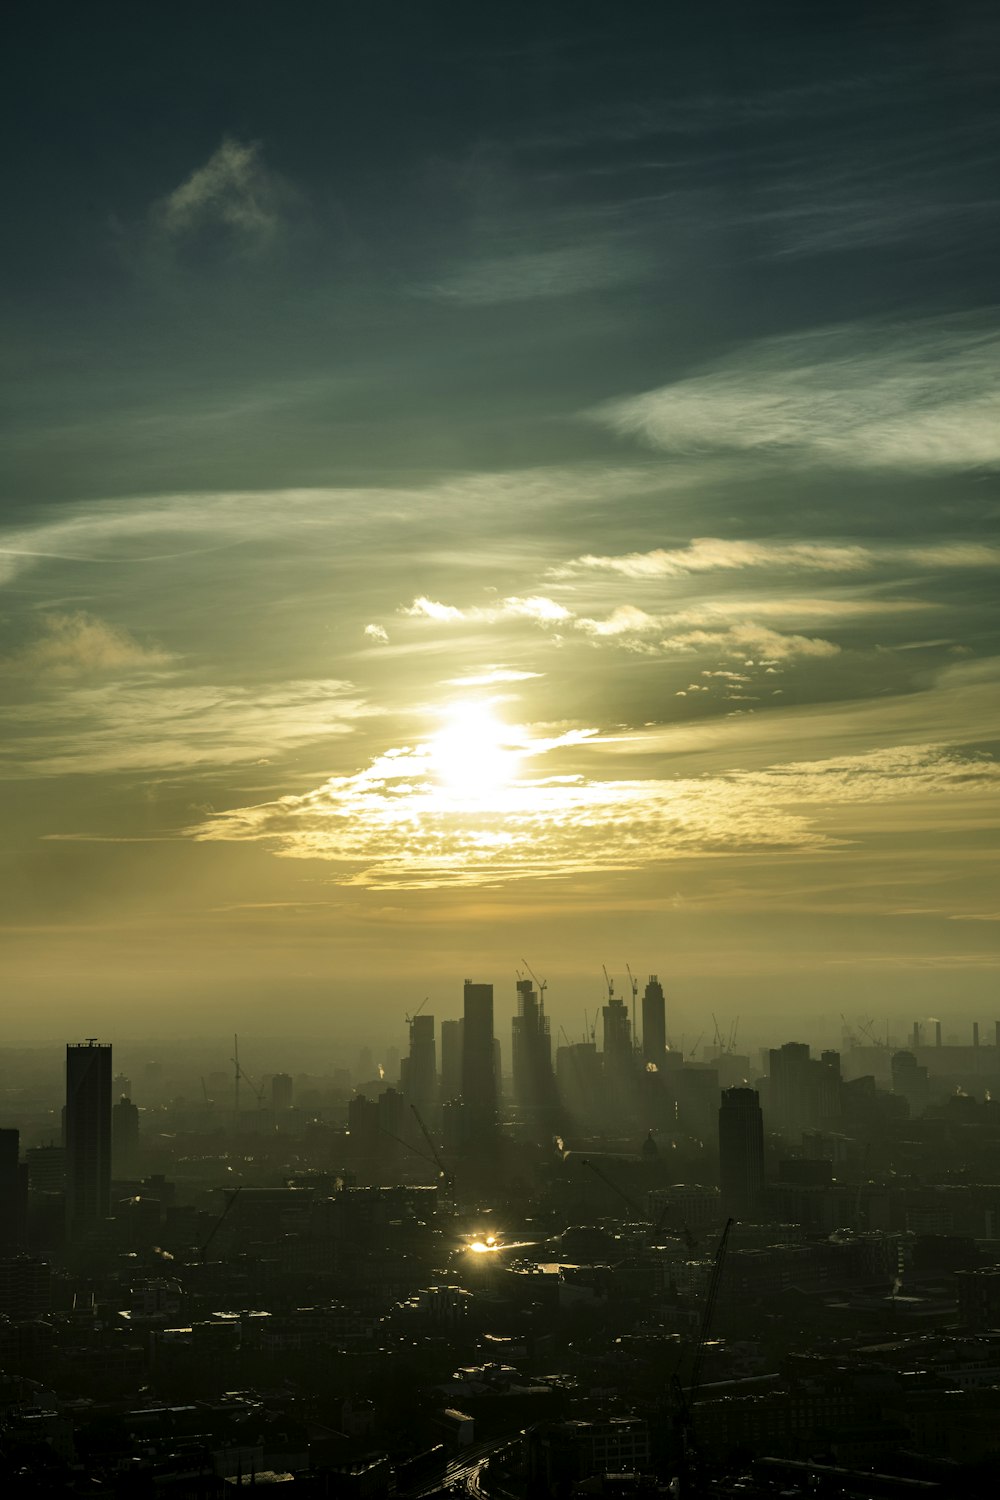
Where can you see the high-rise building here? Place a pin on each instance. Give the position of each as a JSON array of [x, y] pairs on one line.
[[88, 1134], [451, 1060], [618, 1061], [741, 1153], [281, 1092], [420, 1073], [580, 1079], [124, 1138], [910, 1080], [13, 1193], [804, 1091], [531, 1053], [654, 1024], [479, 1085]]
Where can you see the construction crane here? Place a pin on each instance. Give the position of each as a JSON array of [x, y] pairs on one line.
[[609, 982], [240, 1074], [868, 1028], [541, 984], [410, 1019], [640, 1213], [626, 1198], [447, 1178], [711, 1296], [203, 1252], [686, 1398]]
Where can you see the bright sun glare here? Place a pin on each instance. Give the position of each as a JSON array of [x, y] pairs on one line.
[[472, 756]]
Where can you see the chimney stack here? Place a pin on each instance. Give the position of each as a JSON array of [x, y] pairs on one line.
[[937, 1034], [916, 1035], [975, 1033]]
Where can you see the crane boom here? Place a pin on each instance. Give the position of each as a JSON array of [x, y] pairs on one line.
[[447, 1177], [711, 1296], [203, 1252]]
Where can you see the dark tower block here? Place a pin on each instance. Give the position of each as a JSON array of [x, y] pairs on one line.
[[741, 1153], [531, 1057], [88, 1134], [654, 1024], [479, 1090]]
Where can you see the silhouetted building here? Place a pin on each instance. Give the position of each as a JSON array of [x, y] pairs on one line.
[[804, 1092], [741, 1153], [479, 1088], [363, 1122], [124, 1138], [910, 1080], [654, 1024], [419, 1071], [46, 1169], [531, 1052], [13, 1193], [579, 1080], [88, 1134], [282, 1093], [451, 1060], [618, 1060]]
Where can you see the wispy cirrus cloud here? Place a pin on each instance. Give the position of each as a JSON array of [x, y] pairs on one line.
[[915, 396], [535, 607], [490, 675], [551, 271], [716, 554], [147, 723], [392, 826], [77, 644], [233, 192]]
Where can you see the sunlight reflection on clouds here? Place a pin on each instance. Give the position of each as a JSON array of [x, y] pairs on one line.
[[396, 825]]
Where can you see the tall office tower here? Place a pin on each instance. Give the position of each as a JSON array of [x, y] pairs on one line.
[[911, 1081], [281, 1093], [88, 1134], [451, 1060], [420, 1085], [618, 1061], [654, 1024], [13, 1193], [580, 1081], [531, 1053], [124, 1138], [741, 1153], [121, 1087], [479, 1085], [804, 1091]]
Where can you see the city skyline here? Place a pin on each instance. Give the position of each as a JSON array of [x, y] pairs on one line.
[[479, 484]]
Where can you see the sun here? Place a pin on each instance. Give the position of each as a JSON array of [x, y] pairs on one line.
[[472, 755]]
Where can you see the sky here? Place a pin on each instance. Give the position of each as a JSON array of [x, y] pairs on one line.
[[498, 485]]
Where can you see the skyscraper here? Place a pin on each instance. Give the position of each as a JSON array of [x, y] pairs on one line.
[[741, 1153], [124, 1138], [654, 1024], [479, 1089], [618, 1061], [420, 1076], [88, 1134], [451, 1060], [531, 1052], [13, 1193]]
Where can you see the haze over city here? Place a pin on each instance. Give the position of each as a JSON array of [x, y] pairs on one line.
[[494, 483]]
